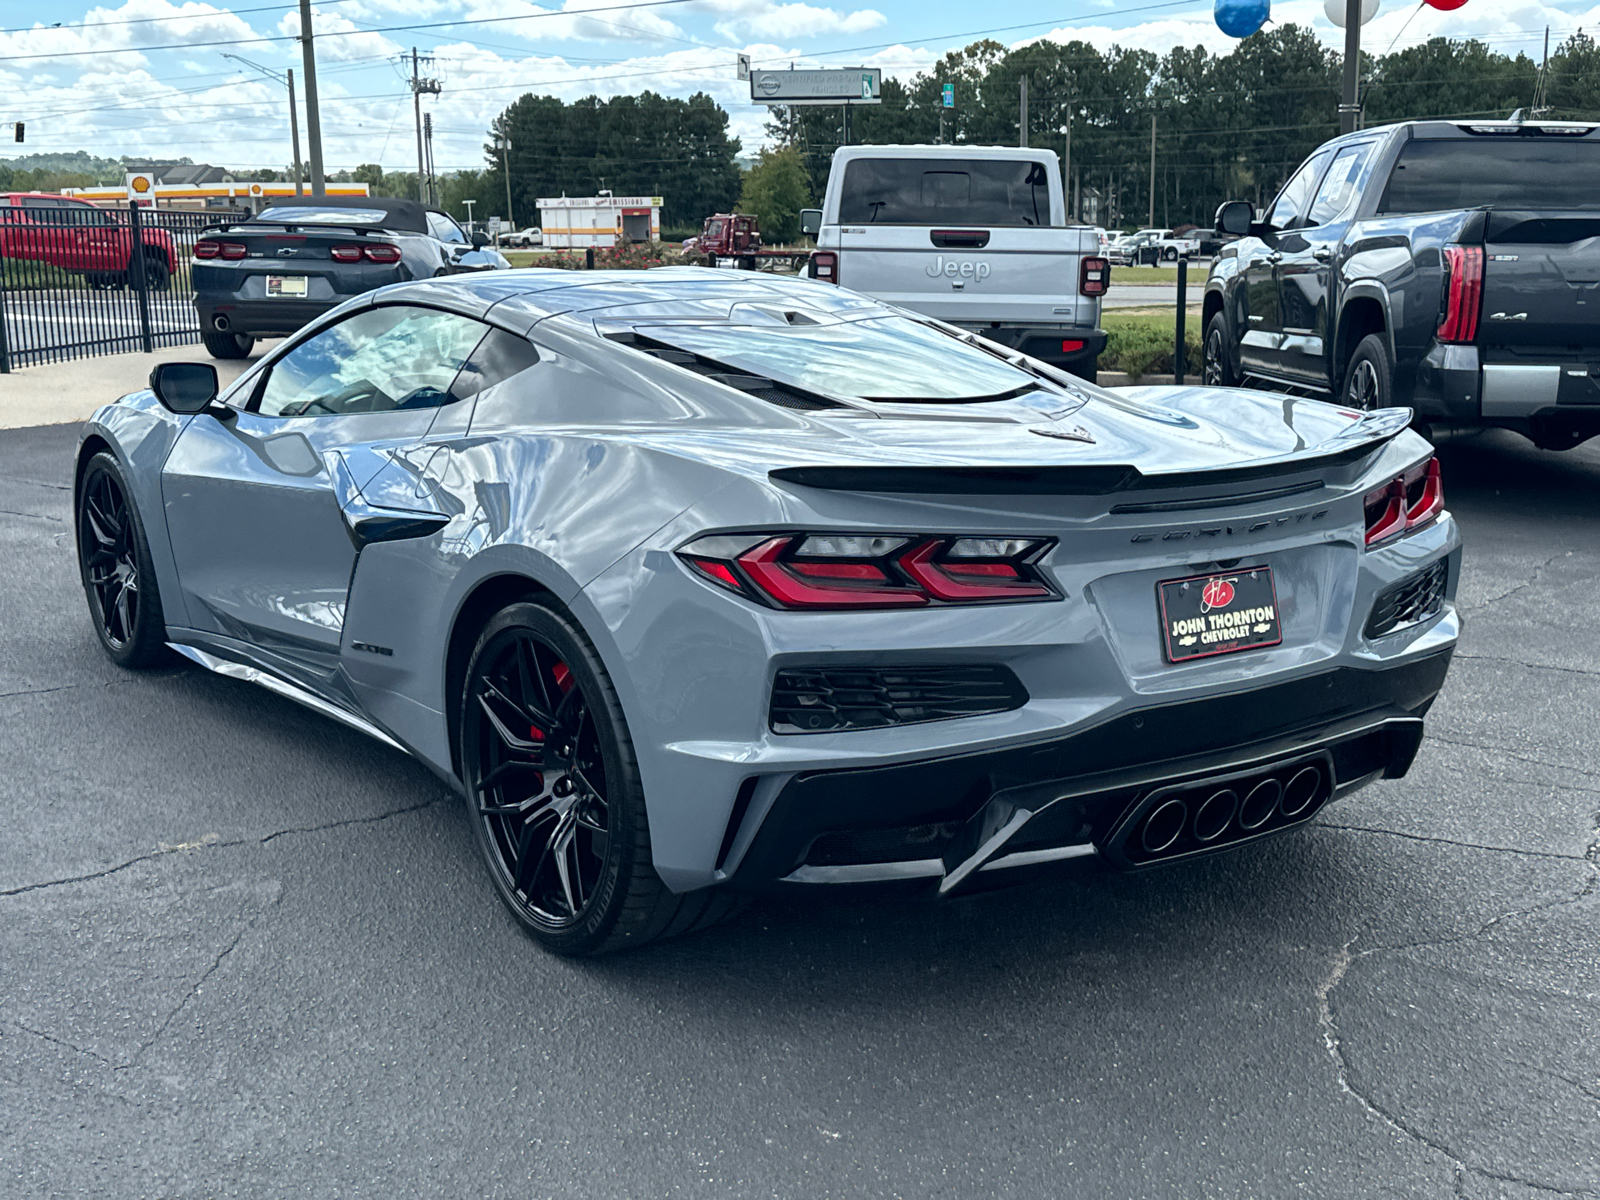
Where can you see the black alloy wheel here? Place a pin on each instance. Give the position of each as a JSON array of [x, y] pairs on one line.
[[1367, 383], [554, 796], [1215, 369], [157, 278], [114, 562]]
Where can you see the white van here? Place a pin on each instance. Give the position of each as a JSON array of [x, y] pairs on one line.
[[973, 235]]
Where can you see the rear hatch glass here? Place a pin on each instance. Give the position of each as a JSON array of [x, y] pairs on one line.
[[1506, 171], [883, 359], [944, 191]]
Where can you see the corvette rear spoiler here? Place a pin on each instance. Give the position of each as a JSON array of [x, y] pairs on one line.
[[1362, 438]]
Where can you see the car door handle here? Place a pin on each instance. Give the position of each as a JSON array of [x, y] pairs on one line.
[[1322, 254]]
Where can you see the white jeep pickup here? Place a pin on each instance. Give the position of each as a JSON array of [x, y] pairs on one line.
[[974, 235]]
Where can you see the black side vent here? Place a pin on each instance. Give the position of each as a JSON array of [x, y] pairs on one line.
[[770, 390], [824, 699], [1409, 601]]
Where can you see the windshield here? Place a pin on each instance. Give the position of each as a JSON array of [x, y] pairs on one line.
[[324, 216], [884, 358], [1506, 171], [945, 191]]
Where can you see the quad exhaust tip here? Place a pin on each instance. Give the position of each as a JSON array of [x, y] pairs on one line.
[[1206, 815]]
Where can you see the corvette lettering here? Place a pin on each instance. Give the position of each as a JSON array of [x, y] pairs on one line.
[[1178, 535], [952, 269]]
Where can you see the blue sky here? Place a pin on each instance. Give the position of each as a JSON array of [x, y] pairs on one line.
[[97, 83]]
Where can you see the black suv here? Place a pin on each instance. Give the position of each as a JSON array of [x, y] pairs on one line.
[[1451, 266]]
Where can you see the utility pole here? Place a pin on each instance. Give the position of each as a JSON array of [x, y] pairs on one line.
[[427, 139], [421, 86], [308, 54], [505, 165], [1066, 168], [1151, 222], [467, 204], [1022, 112], [1350, 106]]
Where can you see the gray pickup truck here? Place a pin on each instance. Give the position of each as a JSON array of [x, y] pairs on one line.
[[1452, 266]]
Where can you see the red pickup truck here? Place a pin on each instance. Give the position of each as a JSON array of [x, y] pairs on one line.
[[77, 236]]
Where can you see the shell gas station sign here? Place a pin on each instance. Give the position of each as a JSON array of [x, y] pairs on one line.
[[141, 188]]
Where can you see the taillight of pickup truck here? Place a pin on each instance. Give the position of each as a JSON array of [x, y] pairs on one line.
[[1463, 293], [824, 265], [1094, 277]]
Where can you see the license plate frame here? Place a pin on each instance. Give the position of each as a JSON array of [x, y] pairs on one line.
[[1197, 619], [287, 287]]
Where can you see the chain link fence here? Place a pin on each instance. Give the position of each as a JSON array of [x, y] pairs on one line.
[[77, 281]]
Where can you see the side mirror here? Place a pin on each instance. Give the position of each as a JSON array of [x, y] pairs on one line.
[[184, 388], [810, 221], [480, 239], [1234, 218]]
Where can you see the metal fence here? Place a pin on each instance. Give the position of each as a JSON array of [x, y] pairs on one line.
[[77, 281]]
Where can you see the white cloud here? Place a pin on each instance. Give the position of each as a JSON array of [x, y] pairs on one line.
[[767, 18], [338, 38], [200, 22]]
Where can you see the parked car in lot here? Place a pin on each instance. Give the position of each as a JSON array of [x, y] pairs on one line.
[[745, 581], [973, 235], [525, 238], [1449, 266], [1151, 245], [78, 237], [269, 274]]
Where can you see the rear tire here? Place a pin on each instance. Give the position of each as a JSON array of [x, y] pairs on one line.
[[1216, 358], [114, 563], [227, 345], [554, 796], [157, 276], [1369, 380]]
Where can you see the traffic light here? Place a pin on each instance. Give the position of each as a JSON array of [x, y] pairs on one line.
[[19, 131]]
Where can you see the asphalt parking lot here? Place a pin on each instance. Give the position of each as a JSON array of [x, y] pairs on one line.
[[246, 952]]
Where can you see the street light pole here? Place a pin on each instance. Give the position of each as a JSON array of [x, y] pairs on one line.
[[1350, 105], [294, 136], [1151, 222], [308, 53]]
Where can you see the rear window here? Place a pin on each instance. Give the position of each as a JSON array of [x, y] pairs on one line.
[[945, 191], [324, 216], [883, 358], [1527, 171]]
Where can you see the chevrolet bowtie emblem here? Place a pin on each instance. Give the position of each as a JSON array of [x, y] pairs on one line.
[[1072, 433], [286, 252]]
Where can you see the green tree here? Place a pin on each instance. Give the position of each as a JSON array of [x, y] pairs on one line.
[[775, 190]]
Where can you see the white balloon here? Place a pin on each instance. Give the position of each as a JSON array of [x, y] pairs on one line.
[[1335, 10]]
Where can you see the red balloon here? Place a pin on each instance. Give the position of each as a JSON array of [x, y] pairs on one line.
[[1445, 5]]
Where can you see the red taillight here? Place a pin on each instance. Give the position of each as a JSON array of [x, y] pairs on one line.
[[786, 582], [1094, 277], [956, 580], [1407, 502], [1071, 346], [1463, 293], [345, 254], [824, 266], [865, 571], [382, 253], [205, 249], [233, 250]]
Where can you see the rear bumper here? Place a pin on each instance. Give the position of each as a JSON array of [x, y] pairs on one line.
[[1048, 343], [943, 819], [261, 318], [1533, 393]]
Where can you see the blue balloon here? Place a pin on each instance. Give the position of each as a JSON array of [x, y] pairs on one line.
[[1241, 18]]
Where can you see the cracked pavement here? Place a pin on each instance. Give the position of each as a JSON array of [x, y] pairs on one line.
[[247, 952]]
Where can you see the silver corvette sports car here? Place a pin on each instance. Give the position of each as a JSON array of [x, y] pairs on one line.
[[694, 582]]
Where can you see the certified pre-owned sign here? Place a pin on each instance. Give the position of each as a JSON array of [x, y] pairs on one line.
[[847, 85]]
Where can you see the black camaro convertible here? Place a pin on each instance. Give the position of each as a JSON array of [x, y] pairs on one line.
[[271, 274]]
